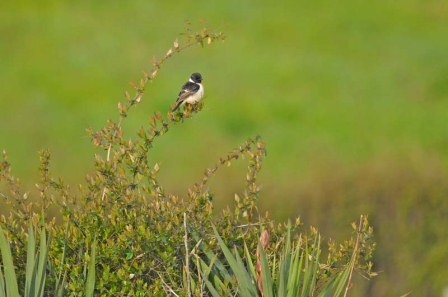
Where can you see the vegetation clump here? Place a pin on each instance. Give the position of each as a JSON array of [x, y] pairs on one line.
[[123, 234]]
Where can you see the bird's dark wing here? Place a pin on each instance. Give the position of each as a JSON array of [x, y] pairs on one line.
[[188, 89]]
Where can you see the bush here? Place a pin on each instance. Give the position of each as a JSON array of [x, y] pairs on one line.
[[144, 236], [299, 271]]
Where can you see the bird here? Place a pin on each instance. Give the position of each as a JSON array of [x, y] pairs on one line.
[[192, 91]]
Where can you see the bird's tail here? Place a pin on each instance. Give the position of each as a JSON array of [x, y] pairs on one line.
[[178, 104]]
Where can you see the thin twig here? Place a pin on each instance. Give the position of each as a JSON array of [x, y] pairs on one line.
[[187, 256], [166, 285], [355, 255], [200, 281], [148, 77], [109, 149], [195, 247], [251, 224]]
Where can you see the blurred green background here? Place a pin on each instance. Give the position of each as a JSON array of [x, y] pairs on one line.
[[351, 98]]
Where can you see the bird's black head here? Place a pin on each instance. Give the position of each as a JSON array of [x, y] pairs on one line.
[[196, 77]]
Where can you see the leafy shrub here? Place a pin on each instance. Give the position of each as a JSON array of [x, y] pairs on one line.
[[299, 271], [36, 269], [142, 236]]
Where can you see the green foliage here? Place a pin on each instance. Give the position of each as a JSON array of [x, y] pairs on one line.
[[35, 271], [375, 107], [36, 267], [8, 283], [123, 234], [299, 272], [90, 283]]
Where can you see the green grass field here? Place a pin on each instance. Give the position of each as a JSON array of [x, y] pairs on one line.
[[352, 88]]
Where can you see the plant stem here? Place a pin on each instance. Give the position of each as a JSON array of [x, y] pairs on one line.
[[355, 254], [187, 255]]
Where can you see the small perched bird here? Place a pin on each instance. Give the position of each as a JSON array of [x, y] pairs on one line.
[[192, 91]]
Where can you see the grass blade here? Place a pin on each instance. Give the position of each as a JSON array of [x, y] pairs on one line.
[[40, 274], [210, 287], [30, 262], [249, 261], [247, 283], [2, 284], [311, 267], [328, 288], [315, 265], [217, 267], [268, 290], [10, 275], [236, 264], [340, 283], [284, 265], [60, 281], [90, 285], [295, 271]]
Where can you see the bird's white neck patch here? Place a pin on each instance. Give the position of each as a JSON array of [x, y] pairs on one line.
[[190, 80]]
